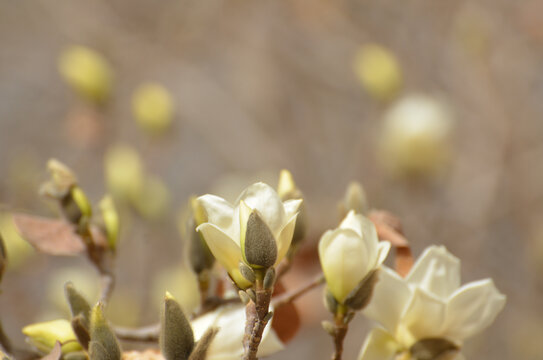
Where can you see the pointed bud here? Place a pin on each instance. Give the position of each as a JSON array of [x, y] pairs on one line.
[[354, 199], [200, 257], [103, 344], [3, 257], [360, 296], [81, 201], [176, 336], [110, 217], [81, 330], [269, 278], [247, 272], [286, 189], [268, 317], [200, 350], [78, 304], [258, 245]]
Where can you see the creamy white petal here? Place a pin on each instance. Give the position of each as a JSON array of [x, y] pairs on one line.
[[202, 323], [379, 345], [292, 207], [285, 238], [436, 271], [227, 344], [219, 211], [473, 308], [424, 316], [344, 261], [383, 248], [264, 198], [226, 250], [365, 228], [390, 297]]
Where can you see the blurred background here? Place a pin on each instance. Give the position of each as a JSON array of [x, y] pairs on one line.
[[434, 106]]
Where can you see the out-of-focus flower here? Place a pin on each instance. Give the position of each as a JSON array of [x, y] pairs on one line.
[[152, 106], [124, 171], [44, 335], [87, 72], [378, 70], [428, 310], [416, 135], [110, 217], [229, 227], [18, 250], [349, 254], [227, 344], [355, 199], [154, 198]]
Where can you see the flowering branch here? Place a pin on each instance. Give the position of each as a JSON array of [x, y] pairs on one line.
[[291, 296]]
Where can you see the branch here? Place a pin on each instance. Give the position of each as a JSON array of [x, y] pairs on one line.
[[291, 296], [257, 317]]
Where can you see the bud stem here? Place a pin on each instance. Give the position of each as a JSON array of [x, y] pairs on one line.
[[256, 318], [340, 330]]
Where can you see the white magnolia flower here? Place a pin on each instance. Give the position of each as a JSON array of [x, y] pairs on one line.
[[227, 344], [349, 253], [428, 303], [226, 224]]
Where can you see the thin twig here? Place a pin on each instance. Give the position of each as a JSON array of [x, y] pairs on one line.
[[340, 330], [144, 334], [5, 343], [291, 296]]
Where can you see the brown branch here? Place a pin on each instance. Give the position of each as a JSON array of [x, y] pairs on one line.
[[291, 296], [340, 330], [144, 334], [5, 343], [257, 318]]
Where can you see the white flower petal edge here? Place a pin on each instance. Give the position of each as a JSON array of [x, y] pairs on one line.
[[390, 297], [472, 308], [379, 345], [227, 344], [436, 271]]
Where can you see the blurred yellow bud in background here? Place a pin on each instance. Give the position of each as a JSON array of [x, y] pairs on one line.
[[182, 283], [416, 136], [378, 70], [354, 199], [154, 199], [124, 171], [44, 335], [87, 72], [153, 108], [110, 216], [17, 249]]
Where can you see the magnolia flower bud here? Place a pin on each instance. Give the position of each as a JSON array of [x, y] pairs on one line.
[[200, 257], [355, 199], [87, 72], [82, 202], [152, 106], [111, 221], [378, 71], [103, 344], [258, 230], [348, 255], [44, 335], [415, 137], [176, 337], [257, 242], [287, 190]]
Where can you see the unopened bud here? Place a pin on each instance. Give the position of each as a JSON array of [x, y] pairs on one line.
[[104, 344], [78, 304], [355, 199], [247, 272], [245, 299], [330, 302], [200, 349], [434, 348], [111, 221], [287, 190], [269, 278], [81, 201], [176, 336], [258, 244], [329, 327], [200, 258], [152, 106]]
